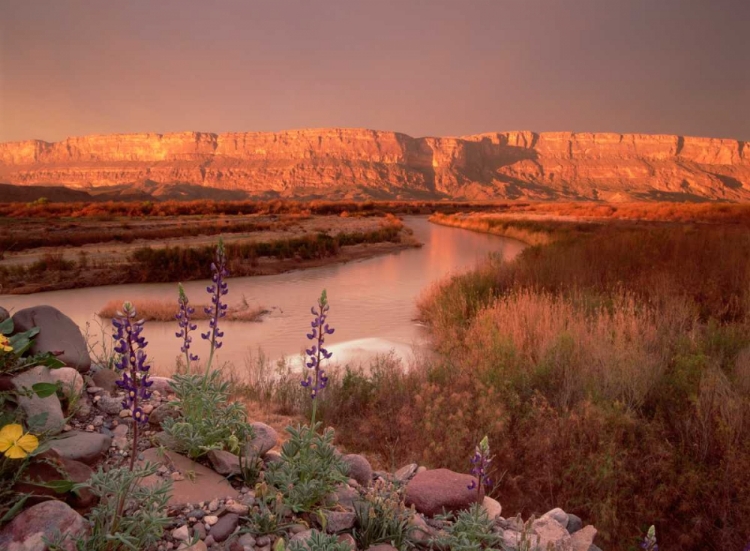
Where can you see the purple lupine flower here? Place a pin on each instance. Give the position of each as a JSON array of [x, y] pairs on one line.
[[317, 353], [132, 363], [649, 542], [480, 462], [186, 326], [217, 309]]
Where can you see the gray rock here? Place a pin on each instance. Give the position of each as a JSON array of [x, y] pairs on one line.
[[405, 473], [224, 528], [338, 521], [182, 533], [359, 469], [246, 540], [109, 404], [438, 490], [345, 496], [35, 405], [28, 530], [86, 447], [574, 523], [197, 514], [57, 333], [265, 439]]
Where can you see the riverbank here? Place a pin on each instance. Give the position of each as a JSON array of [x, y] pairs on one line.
[[275, 246]]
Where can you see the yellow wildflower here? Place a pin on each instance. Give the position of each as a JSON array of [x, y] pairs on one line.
[[5, 344], [15, 444]]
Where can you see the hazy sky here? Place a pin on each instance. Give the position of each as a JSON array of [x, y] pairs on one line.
[[424, 67]]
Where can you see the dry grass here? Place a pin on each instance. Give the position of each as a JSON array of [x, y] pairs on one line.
[[165, 310]]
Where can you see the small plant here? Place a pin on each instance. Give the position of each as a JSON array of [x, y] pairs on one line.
[[318, 541], [649, 541], [309, 470], [317, 353], [480, 465], [471, 531], [183, 317], [382, 517], [268, 516], [207, 419], [138, 525], [217, 309]]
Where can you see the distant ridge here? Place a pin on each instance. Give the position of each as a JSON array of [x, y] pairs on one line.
[[359, 164]]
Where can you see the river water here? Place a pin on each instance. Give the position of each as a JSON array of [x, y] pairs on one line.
[[373, 301]]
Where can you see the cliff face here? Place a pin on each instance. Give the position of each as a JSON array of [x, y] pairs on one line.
[[352, 162]]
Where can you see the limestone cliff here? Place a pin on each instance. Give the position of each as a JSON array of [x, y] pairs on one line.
[[367, 163]]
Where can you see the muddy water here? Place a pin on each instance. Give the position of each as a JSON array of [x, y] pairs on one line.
[[372, 301]]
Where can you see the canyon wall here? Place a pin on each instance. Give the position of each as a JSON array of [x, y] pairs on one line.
[[338, 163]]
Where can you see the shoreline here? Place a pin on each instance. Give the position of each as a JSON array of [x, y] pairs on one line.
[[266, 266]]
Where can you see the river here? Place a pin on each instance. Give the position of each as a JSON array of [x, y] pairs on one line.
[[373, 301]]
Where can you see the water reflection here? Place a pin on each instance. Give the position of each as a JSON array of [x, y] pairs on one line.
[[372, 301]]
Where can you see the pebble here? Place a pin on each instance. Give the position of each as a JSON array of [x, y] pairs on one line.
[[238, 508], [177, 477], [90, 428], [210, 540], [125, 413], [67, 428], [148, 408], [181, 534], [211, 519], [213, 505], [94, 389], [98, 421]]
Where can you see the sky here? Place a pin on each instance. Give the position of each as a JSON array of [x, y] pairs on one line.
[[422, 67]]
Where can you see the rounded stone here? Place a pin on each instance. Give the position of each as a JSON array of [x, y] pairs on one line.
[[359, 469], [433, 492]]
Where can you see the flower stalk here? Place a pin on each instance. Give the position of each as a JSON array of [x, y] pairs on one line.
[[217, 309], [480, 462], [184, 319], [317, 353]]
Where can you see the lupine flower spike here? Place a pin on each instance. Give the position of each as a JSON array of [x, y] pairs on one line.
[[184, 316], [217, 309], [480, 462], [649, 542], [317, 353], [132, 363]]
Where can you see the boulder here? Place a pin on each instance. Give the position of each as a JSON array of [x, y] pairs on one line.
[[435, 491], [338, 521], [45, 520], [49, 466], [405, 473], [57, 333], [493, 507], [583, 539], [70, 381], [559, 515], [359, 469], [552, 535], [34, 405], [265, 438], [574, 523], [199, 484], [224, 462], [224, 528], [105, 379], [161, 413], [86, 447]]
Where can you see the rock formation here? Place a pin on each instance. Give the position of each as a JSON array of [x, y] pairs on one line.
[[366, 163]]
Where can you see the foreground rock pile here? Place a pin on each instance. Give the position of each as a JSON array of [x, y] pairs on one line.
[[208, 505]]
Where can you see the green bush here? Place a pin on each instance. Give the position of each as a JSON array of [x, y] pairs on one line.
[[207, 420], [319, 541], [310, 468], [471, 531], [382, 517]]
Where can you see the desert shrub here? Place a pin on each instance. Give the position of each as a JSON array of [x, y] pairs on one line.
[[309, 470], [470, 531], [382, 517], [208, 419], [318, 541], [139, 526]]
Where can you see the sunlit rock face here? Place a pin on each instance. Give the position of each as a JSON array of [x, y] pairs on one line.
[[368, 163]]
